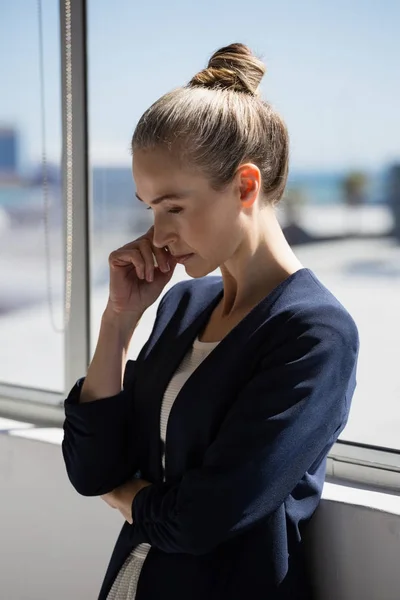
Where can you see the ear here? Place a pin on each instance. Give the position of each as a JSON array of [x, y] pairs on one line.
[[249, 184]]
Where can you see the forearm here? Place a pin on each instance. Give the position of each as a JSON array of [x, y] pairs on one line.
[[122, 497], [105, 374]]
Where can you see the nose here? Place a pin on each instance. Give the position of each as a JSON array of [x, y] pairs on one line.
[[163, 233]]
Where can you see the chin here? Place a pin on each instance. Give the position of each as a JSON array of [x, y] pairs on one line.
[[199, 272], [195, 273]]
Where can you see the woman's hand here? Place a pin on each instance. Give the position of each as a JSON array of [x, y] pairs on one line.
[[122, 497], [135, 282]]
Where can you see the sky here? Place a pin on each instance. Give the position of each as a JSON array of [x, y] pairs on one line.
[[332, 71]]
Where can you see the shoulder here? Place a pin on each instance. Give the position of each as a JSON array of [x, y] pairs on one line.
[[322, 310], [306, 315]]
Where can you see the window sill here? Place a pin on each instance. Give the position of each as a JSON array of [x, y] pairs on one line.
[[334, 491], [41, 414], [359, 496]]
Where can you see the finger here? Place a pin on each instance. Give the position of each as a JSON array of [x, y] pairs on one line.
[[126, 256], [106, 498], [147, 253], [162, 258], [161, 254]]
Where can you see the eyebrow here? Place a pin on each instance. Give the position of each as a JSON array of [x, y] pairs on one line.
[[163, 197]]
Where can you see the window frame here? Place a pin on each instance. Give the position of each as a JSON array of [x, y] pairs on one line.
[[75, 185]]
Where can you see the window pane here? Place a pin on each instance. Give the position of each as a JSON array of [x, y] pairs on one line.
[[332, 72], [31, 287]]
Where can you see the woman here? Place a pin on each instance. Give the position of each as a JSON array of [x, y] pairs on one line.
[[253, 372]]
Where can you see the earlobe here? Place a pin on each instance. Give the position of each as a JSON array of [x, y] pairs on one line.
[[248, 203]]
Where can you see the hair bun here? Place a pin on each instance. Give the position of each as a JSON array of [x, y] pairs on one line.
[[232, 67]]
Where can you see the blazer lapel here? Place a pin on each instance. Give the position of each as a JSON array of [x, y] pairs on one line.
[[158, 364]]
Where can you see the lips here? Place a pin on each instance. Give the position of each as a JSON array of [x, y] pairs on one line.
[[183, 257]]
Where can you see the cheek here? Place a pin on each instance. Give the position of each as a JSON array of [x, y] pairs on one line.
[[216, 238], [211, 230], [206, 227]]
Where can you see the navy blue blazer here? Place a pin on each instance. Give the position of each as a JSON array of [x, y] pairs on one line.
[[246, 443]]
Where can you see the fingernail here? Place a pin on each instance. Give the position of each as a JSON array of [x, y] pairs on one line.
[[166, 268]]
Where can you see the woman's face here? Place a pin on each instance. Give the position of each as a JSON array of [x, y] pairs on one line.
[[192, 218]]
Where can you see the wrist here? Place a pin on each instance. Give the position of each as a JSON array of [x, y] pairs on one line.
[[125, 495], [127, 491], [110, 314], [124, 324]]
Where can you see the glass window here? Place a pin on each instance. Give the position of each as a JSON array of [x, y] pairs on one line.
[[332, 74], [31, 234]]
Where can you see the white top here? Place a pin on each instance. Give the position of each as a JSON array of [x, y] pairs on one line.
[[124, 586]]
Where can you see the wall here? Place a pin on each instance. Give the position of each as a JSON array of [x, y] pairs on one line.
[[355, 552], [56, 544]]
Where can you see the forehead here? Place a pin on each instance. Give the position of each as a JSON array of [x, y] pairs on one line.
[[157, 169], [156, 162]]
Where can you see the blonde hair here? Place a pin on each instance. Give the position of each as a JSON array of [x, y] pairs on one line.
[[218, 121]]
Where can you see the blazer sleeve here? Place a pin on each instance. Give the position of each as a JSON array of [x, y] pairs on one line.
[[283, 422], [99, 444], [99, 438]]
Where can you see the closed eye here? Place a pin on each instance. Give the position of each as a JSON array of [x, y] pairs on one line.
[[174, 211]]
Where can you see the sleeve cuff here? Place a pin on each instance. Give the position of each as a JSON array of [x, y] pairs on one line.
[[98, 410], [75, 393]]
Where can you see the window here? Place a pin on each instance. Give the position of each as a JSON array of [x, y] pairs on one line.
[[332, 73], [31, 215]]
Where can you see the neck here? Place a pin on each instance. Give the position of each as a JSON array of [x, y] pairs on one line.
[[262, 261]]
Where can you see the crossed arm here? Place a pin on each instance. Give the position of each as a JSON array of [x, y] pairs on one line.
[[281, 425], [123, 496]]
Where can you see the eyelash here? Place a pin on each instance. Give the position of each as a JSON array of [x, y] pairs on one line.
[[173, 211]]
